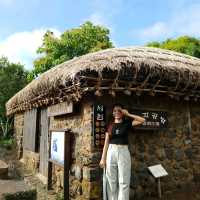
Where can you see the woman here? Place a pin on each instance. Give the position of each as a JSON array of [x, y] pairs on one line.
[[116, 156]]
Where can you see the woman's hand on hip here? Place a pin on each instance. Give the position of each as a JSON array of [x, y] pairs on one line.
[[102, 163]]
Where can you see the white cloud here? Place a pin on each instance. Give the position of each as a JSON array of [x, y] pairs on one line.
[[97, 18], [21, 47], [154, 31], [185, 21], [104, 13]]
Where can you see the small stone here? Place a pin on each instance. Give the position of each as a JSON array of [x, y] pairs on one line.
[[78, 172], [197, 178], [72, 170], [139, 193], [188, 141], [179, 155], [95, 157], [169, 153], [132, 194], [91, 190], [76, 188], [141, 147], [188, 153], [91, 174], [134, 180], [161, 154], [3, 169], [152, 150]]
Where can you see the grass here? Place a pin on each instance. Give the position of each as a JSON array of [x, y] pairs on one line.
[[6, 142], [25, 195]]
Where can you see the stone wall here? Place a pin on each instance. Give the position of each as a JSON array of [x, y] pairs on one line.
[[195, 145], [30, 159], [170, 147], [18, 133], [176, 148], [31, 162], [84, 170]]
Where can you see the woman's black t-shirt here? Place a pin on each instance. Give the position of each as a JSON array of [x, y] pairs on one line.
[[119, 132]]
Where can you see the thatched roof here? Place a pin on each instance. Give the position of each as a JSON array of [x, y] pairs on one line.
[[132, 70]]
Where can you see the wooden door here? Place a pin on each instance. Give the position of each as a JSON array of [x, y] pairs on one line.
[[44, 128], [29, 130]]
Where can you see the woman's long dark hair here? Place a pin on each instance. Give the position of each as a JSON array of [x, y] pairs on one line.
[[110, 124]]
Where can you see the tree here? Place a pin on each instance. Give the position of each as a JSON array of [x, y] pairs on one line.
[[184, 44], [13, 78], [75, 42]]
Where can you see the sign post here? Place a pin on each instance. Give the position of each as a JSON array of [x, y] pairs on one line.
[[60, 155], [154, 120], [99, 125], [158, 171], [66, 166]]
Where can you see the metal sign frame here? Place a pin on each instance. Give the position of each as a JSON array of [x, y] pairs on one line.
[[66, 166]]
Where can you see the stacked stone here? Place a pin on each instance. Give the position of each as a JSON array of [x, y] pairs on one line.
[[171, 147], [195, 150], [85, 175], [18, 133], [3, 170], [176, 148]]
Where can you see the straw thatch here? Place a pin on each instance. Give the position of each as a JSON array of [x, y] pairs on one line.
[[136, 69]]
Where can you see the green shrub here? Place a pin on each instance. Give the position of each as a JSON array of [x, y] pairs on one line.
[[25, 195], [6, 127], [60, 196], [7, 143]]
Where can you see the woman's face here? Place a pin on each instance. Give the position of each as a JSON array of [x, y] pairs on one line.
[[117, 113]]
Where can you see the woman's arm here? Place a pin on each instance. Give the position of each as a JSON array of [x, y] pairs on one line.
[[137, 120], [105, 149]]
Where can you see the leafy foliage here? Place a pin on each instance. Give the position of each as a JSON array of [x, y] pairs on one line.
[[184, 44], [60, 196], [7, 143], [13, 78], [72, 43], [6, 127]]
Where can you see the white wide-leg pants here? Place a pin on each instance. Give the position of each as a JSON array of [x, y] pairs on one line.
[[118, 172]]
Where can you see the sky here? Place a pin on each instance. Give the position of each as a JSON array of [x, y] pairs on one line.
[[131, 22]]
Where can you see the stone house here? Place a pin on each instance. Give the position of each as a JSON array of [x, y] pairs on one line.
[[146, 80]]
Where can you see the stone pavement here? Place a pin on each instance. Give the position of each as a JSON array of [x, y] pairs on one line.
[[12, 186]]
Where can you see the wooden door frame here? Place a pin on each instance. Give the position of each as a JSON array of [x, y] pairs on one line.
[[47, 137]]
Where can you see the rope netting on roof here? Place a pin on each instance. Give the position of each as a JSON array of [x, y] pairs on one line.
[[137, 69]]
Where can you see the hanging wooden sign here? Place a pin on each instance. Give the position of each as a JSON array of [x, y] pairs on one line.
[[60, 109], [153, 119], [99, 125]]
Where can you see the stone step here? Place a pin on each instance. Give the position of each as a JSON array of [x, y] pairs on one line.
[[3, 170]]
